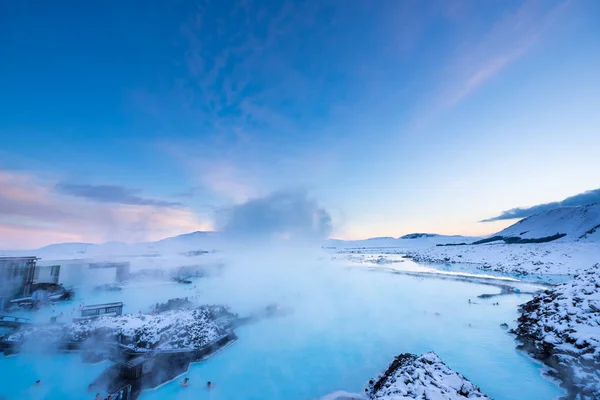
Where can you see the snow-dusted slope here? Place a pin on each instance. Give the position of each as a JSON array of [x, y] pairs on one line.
[[424, 377], [575, 222], [562, 328]]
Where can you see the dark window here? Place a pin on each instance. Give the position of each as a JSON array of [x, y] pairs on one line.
[[89, 313]]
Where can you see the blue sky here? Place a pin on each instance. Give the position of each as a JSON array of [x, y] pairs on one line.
[[124, 121]]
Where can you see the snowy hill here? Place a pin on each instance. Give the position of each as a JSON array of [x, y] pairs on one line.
[[572, 223]]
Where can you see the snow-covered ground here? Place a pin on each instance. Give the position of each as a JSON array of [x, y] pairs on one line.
[[577, 250], [565, 258], [424, 377], [562, 327]]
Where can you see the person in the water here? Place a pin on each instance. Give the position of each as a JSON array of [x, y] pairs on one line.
[[209, 384], [98, 397], [184, 383], [38, 382]]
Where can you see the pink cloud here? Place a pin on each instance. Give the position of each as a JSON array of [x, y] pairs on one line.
[[33, 215]]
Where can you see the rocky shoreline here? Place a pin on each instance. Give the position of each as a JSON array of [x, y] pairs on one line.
[[561, 327]]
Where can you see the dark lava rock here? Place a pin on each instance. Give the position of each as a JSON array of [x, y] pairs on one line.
[[561, 327]]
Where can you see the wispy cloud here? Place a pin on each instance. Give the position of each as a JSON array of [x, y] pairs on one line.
[[477, 60], [111, 194], [589, 197], [33, 213], [228, 181]]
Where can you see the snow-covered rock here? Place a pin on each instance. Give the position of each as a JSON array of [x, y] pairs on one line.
[[425, 377], [561, 327], [179, 329]]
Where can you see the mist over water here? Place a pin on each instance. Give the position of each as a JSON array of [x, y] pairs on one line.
[[342, 324]]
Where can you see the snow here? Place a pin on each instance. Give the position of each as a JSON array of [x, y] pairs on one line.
[[424, 377], [410, 241], [573, 253], [172, 246], [563, 258], [434, 315], [179, 329], [577, 223], [562, 327]]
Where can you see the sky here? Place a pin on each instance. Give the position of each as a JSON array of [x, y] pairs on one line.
[[133, 121]]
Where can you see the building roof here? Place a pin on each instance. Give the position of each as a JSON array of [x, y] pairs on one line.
[[27, 258], [105, 305]]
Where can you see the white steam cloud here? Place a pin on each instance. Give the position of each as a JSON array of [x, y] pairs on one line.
[[280, 215]]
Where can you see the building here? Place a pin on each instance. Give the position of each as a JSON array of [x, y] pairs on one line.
[[99, 310], [122, 269], [46, 274], [16, 277]]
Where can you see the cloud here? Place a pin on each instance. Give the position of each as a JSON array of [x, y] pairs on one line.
[[475, 62], [282, 214], [110, 194], [226, 180], [215, 178], [33, 213], [589, 197]]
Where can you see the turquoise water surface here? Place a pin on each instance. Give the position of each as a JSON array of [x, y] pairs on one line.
[[345, 328]]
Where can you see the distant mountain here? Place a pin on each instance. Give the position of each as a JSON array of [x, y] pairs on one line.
[[418, 235], [411, 240], [581, 223], [193, 241]]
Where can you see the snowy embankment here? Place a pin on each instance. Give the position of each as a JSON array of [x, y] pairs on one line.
[[424, 377], [533, 258], [171, 330], [561, 327]]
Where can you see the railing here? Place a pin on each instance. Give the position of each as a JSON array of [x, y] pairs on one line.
[[13, 320], [122, 394]]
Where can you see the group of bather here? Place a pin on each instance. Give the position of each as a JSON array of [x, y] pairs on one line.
[[185, 383]]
